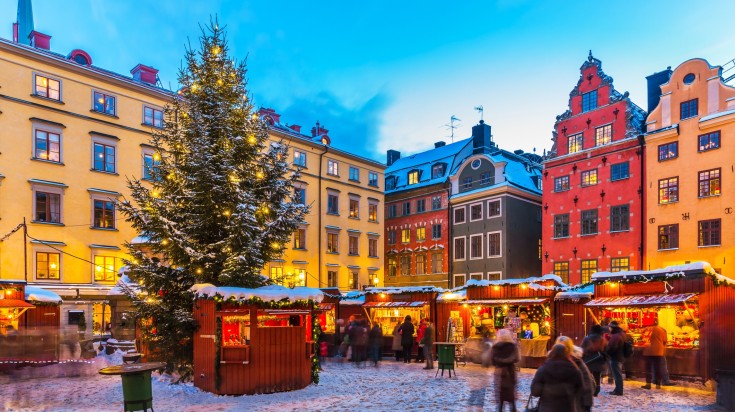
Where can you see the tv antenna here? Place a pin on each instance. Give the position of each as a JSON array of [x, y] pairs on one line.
[[481, 110], [451, 126]]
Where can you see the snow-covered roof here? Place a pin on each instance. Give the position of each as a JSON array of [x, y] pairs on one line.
[[453, 296], [405, 289], [273, 293], [532, 282], [676, 270], [716, 115], [576, 293], [140, 240], [124, 280], [356, 301], [36, 294]]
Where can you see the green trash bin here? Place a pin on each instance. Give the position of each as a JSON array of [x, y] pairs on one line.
[[137, 392], [445, 353]]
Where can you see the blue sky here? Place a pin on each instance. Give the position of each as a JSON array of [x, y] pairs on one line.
[[382, 75]]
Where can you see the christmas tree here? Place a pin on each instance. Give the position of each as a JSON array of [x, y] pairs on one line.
[[218, 203]]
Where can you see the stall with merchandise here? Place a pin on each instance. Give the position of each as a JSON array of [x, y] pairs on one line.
[[255, 340], [691, 302]]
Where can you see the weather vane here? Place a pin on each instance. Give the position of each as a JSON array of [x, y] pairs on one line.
[[482, 112]]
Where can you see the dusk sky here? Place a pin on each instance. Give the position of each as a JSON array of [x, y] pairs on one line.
[[382, 75]]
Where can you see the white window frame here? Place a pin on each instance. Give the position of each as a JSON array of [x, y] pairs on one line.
[[482, 242], [474, 275], [105, 93], [48, 77], [155, 109], [462, 276], [48, 188], [48, 128], [454, 249], [106, 141], [499, 273], [454, 215], [299, 152], [499, 232], [482, 209], [332, 163], [500, 209], [102, 253], [105, 197]]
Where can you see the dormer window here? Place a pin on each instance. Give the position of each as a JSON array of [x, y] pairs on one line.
[[589, 101], [437, 171], [390, 183], [413, 177]]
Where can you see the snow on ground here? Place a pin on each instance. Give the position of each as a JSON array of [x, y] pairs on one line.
[[391, 386]]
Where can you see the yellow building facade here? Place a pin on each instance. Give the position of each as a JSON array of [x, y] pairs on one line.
[[690, 180], [340, 244], [70, 135]]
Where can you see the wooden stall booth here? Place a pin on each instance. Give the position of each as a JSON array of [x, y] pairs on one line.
[[390, 306], [570, 315], [253, 341], [46, 312], [12, 306], [326, 315], [693, 303]]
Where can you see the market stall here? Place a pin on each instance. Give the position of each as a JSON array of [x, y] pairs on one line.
[[46, 310], [326, 315], [12, 305], [255, 340], [691, 302], [570, 315]]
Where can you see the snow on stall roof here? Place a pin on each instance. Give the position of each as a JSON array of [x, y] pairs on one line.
[[266, 293], [404, 289], [36, 294], [453, 296], [353, 301], [576, 293], [669, 271], [531, 282]]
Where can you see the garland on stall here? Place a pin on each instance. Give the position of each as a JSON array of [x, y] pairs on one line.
[[217, 352], [660, 277], [316, 332], [256, 301]]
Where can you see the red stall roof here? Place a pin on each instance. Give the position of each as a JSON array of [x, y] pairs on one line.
[[394, 304], [651, 300], [325, 306], [14, 303]]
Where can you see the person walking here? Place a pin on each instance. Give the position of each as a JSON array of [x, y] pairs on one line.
[[375, 341], [406, 330], [557, 383], [396, 346], [428, 341], [586, 397], [419, 339], [616, 354], [504, 355], [653, 354], [593, 354]]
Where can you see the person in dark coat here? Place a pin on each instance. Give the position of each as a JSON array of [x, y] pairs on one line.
[[375, 342], [615, 353], [504, 355], [428, 344], [406, 332], [557, 382], [587, 394], [396, 346], [593, 354]]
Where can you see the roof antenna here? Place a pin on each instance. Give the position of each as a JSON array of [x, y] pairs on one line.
[[451, 126], [482, 112]]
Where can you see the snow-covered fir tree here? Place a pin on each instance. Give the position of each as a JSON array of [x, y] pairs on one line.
[[219, 203]]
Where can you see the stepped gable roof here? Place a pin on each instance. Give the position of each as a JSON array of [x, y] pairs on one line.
[[423, 162]]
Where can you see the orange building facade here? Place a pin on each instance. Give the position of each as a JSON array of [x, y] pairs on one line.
[[690, 179]]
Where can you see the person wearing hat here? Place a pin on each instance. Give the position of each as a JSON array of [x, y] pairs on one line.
[[615, 351]]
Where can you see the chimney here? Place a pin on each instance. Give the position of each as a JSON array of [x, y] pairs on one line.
[[439, 144], [23, 27], [654, 87], [145, 74], [482, 140], [318, 130], [270, 115], [393, 156], [40, 40], [296, 128]]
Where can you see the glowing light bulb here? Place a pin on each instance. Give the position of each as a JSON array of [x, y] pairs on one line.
[[220, 82], [252, 139], [156, 156], [53, 266], [276, 245], [523, 286], [226, 213], [496, 287], [164, 242], [199, 271], [215, 50], [194, 87], [259, 175]]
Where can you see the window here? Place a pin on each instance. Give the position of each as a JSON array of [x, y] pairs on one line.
[[405, 265], [437, 171], [668, 151], [475, 212], [421, 205], [299, 239], [668, 190], [332, 167], [459, 280], [391, 237], [561, 226], [436, 231], [104, 158], [421, 264], [372, 247], [619, 264], [493, 245], [487, 179], [589, 178], [421, 234], [332, 204], [709, 183], [467, 182], [104, 214], [354, 280], [299, 158], [372, 212], [603, 135], [332, 243], [619, 218], [709, 141], [493, 208], [354, 174], [561, 269], [75, 317], [494, 275], [150, 165], [48, 87], [668, 237], [48, 265], [390, 183], [589, 101], [354, 208], [104, 103], [392, 266], [104, 268], [406, 208], [413, 177], [405, 235], [575, 143], [709, 232], [437, 262], [277, 275], [436, 202], [619, 171], [392, 210], [688, 108], [561, 184], [476, 247], [299, 195], [332, 279], [372, 179], [47, 146], [589, 222], [459, 248], [476, 276], [152, 117], [48, 207], [459, 216], [589, 267], [353, 245]]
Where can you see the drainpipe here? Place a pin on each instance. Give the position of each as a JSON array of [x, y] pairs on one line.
[[642, 143], [319, 258]]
